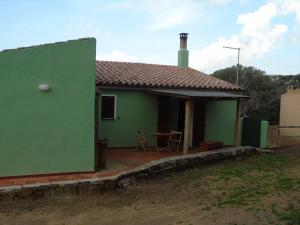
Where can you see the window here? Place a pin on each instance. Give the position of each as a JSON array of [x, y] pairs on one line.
[[108, 107]]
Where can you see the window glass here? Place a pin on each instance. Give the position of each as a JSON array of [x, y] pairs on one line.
[[108, 107]]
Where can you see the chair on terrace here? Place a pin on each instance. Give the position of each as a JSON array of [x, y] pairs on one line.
[[141, 142], [175, 140]]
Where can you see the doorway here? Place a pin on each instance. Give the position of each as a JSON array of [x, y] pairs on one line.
[[198, 122], [181, 115]]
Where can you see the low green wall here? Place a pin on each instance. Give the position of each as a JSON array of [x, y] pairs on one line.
[[135, 111], [47, 132], [220, 121]]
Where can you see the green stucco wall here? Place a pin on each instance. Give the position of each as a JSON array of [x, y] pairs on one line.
[[220, 121], [135, 111], [183, 58], [264, 126], [47, 132]]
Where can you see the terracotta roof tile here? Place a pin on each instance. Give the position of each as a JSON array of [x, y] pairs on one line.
[[153, 75]]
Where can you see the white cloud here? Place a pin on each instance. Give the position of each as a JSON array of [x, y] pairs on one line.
[[214, 56], [287, 7], [257, 37], [257, 20]]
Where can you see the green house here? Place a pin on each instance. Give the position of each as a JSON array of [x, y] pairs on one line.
[[56, 99], [161, 98]]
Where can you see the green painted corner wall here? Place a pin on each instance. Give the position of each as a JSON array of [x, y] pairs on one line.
[[135, 110], [220, 121], [264, 126], [47, 132]]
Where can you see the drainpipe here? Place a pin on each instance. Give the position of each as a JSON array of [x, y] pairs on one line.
[[183, 53]]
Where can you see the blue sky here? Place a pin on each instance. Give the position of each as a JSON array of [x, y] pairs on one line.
[[268, 31]]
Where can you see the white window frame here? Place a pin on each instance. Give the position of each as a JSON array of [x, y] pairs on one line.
[[115, 106]]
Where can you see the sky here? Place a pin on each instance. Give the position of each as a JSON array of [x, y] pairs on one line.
[[267, 31]]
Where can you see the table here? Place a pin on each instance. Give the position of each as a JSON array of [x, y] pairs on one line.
[[158, 135]]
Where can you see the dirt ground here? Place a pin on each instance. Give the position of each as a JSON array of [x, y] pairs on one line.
[[262, 189]]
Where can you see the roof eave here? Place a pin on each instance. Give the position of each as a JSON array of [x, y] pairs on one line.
[[139, 87]]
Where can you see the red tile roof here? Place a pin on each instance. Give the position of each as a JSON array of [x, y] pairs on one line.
[[152, 75]]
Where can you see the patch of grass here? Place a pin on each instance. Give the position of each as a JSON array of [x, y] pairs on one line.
[[288, 184], [291, 216], [206, 208], [239, 196], [267, 161], [250, 179], [253, 209], [251, 168], [228, 173], [246, 183]]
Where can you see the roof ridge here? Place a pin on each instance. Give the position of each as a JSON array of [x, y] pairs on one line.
[[47, 44]]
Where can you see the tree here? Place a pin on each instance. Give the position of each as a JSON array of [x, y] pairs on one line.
[[263, 91]]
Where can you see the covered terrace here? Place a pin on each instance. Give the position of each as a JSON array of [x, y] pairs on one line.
[[184, 110]]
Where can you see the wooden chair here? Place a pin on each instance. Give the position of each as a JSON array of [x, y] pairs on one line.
[[175, 140], [141, 142]]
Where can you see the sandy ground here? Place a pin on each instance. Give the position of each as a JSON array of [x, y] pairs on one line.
[[257, 190]]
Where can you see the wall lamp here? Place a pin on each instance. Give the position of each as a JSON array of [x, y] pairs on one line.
[[44, 87]]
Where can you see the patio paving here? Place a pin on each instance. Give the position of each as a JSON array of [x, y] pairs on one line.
[[118, 161]]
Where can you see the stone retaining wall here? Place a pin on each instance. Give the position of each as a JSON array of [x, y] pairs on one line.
[[175, 163]]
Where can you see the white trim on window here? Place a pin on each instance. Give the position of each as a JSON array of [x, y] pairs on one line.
[[115, 106]]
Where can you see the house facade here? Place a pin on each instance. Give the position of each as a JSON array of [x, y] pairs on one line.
[[151, 97]]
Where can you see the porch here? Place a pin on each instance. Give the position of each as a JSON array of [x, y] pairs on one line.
[[201, 116]]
